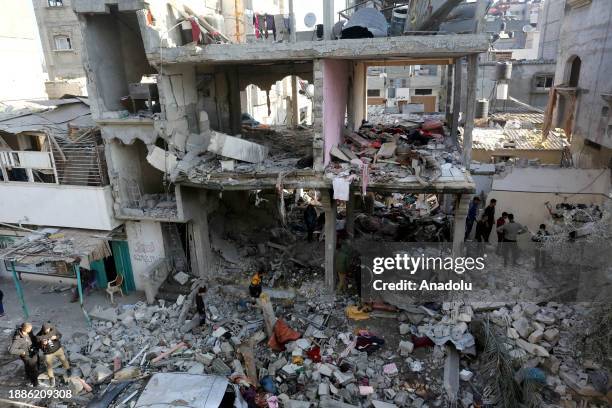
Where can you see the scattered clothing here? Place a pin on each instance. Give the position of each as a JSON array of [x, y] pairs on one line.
[[369, 343]]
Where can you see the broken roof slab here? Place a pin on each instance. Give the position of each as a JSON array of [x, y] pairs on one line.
[[407, 47], [456, 184]]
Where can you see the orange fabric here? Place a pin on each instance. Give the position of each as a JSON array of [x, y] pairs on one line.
[[282, 334]]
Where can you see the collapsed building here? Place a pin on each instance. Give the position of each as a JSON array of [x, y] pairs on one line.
[[170, 113], [205, 194]]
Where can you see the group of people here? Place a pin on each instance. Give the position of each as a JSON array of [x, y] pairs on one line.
[[28, 346], [507, 230]]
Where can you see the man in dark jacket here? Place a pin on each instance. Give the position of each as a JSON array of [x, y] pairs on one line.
[[24, 346], [49, 340], [486, 222]]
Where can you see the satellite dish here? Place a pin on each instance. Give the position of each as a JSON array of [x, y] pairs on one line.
[[310, 20], [528, 28]]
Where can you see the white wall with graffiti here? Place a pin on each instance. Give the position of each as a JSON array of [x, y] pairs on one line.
[[146, 244]]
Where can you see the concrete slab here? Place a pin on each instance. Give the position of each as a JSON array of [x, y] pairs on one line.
[[407, 47], [235, 148]]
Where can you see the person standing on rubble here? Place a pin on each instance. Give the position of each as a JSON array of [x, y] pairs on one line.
[[310, 219], [540, 255], [49, 340], [500, 236], [24, 346], [511, 231], [201, 305], [255, 288], [483, 230], [471, 216]]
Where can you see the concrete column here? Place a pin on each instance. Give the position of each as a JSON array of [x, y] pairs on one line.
[[317, 116], [350, 215], [329, 206], [295, 111], [470, 109], [462, 205], [357, 101], [456, 99], [201, 237], [448, 93], [234, 101], [328, 18], [293, 33]]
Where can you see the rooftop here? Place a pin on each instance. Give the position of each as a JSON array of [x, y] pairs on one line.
[[517, 139], [384, 48]]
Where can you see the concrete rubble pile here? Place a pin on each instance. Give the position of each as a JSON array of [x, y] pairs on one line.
[[329, 350], [399, 152], [153, 205], [288, 150], [404, 218]]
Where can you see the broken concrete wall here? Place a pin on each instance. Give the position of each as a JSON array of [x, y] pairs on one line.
[[195, 205], [113, 56], [522, 83], [178, 97], [276, 81], [130, 173], [146, 245], [335, 98]]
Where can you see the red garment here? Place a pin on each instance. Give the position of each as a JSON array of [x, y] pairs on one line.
[[500, 222], [195, 30]]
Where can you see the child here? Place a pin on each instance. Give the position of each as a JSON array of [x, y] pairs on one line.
[[255, 287]]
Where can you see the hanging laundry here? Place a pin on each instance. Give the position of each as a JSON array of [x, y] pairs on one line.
[[279, 24], [270, 26]]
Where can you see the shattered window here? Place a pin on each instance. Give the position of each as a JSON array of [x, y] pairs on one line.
[[62, 42], [544, 81], [56, 3]]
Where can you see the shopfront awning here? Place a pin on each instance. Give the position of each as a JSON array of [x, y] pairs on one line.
[[58, 244]]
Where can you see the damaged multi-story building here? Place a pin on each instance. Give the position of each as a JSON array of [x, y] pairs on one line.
[[167, 91]]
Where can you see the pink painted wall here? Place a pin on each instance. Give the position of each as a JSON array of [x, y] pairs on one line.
[[335, 97]]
